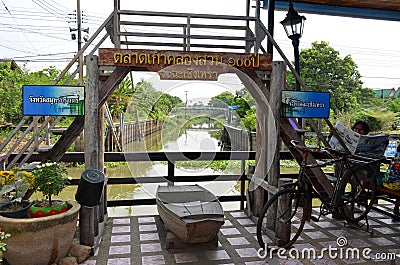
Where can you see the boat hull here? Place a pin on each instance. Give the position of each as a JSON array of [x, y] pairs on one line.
[[182, 216]]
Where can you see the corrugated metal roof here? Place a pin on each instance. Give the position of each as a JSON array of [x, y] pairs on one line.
[[383, 9]]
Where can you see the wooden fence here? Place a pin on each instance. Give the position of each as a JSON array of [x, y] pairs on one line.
[[238, 139], [131, 131]]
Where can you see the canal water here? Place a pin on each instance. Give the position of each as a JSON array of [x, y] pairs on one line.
[[188, 140]]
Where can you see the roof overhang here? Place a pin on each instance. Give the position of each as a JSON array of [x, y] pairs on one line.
[[372, 9]]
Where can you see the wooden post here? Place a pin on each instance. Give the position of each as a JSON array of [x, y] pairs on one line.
[[92, 141], [88, 223], [278, 79], [36, 133], [282, 230], [116, 28], [103, 200], [86, 227], [122, 139]]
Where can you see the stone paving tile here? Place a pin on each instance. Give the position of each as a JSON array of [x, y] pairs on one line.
[[149, 236], [323, 261], [217, 255], [238, 241], [325, 224], [153, 260], [386, 230], [115, 250], [229, 231], [307, 226], [245, 221], [152, 227], [251, 229], [120, 238], [381, 241], [290, 262], [142, 220], [185, 258], [121, 229], [316, 235], [238, 214], [358, 243], [227, 223], [152, 247], [247, 252], [119, 221], [119, 261]]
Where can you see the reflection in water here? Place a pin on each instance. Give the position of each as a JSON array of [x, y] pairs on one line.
[[190, 140]]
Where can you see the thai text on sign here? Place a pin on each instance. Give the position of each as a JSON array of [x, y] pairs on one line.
[[184, 64], [50, 100]]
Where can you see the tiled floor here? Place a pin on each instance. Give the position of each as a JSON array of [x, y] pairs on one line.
[[141, 240]]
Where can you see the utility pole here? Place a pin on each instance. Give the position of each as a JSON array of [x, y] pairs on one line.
[[186, 103], [79, 23], [78, 18]]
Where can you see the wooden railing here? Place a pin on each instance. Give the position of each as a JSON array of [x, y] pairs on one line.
[[171, 158], [130, 132]]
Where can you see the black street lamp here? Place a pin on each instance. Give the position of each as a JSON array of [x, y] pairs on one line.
[[294, 24]]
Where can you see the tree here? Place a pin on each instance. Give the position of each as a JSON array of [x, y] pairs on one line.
[[119, 99], [394, 105], [150, 102], [323, 70], [11, 82], [222, 100], [249, 120], [379, 118]]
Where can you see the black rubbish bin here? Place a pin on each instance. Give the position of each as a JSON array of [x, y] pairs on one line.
[[90, 187]]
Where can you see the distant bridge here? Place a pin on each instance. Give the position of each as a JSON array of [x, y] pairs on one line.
[[205, 108]]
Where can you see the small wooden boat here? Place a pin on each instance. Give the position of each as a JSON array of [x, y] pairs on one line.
[[191, 212]]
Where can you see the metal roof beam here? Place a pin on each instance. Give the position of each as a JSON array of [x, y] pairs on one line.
[[334, 10]]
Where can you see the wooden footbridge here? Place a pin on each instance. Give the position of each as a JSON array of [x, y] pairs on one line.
[[237, 46]]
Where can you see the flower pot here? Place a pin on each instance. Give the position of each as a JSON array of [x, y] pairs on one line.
[[7, 210], [36, 210], [40, 241]]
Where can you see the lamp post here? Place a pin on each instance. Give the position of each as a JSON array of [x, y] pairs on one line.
[[293, 25]]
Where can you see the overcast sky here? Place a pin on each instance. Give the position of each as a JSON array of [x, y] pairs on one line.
[[36, 32]]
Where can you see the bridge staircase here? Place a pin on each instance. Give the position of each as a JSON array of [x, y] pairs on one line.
[[158, 30]]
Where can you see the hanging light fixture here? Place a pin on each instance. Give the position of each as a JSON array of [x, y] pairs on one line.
[[293, 23]]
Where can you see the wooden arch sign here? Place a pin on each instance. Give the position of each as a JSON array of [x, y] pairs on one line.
[[184, 65]]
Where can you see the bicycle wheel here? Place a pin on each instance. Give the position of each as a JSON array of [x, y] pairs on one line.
[[290, 214], [356, 193]]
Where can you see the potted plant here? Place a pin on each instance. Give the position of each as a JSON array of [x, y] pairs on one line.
[[50, 180], [44, 240], [3, 246], [13, 186]]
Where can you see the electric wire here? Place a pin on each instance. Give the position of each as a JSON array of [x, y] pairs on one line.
[[49, 11], [17, 24]]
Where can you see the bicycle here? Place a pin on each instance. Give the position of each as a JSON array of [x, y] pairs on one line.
[[353, 194]]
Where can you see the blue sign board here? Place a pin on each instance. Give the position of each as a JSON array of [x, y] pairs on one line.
[[305, 104], [53, 100]]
